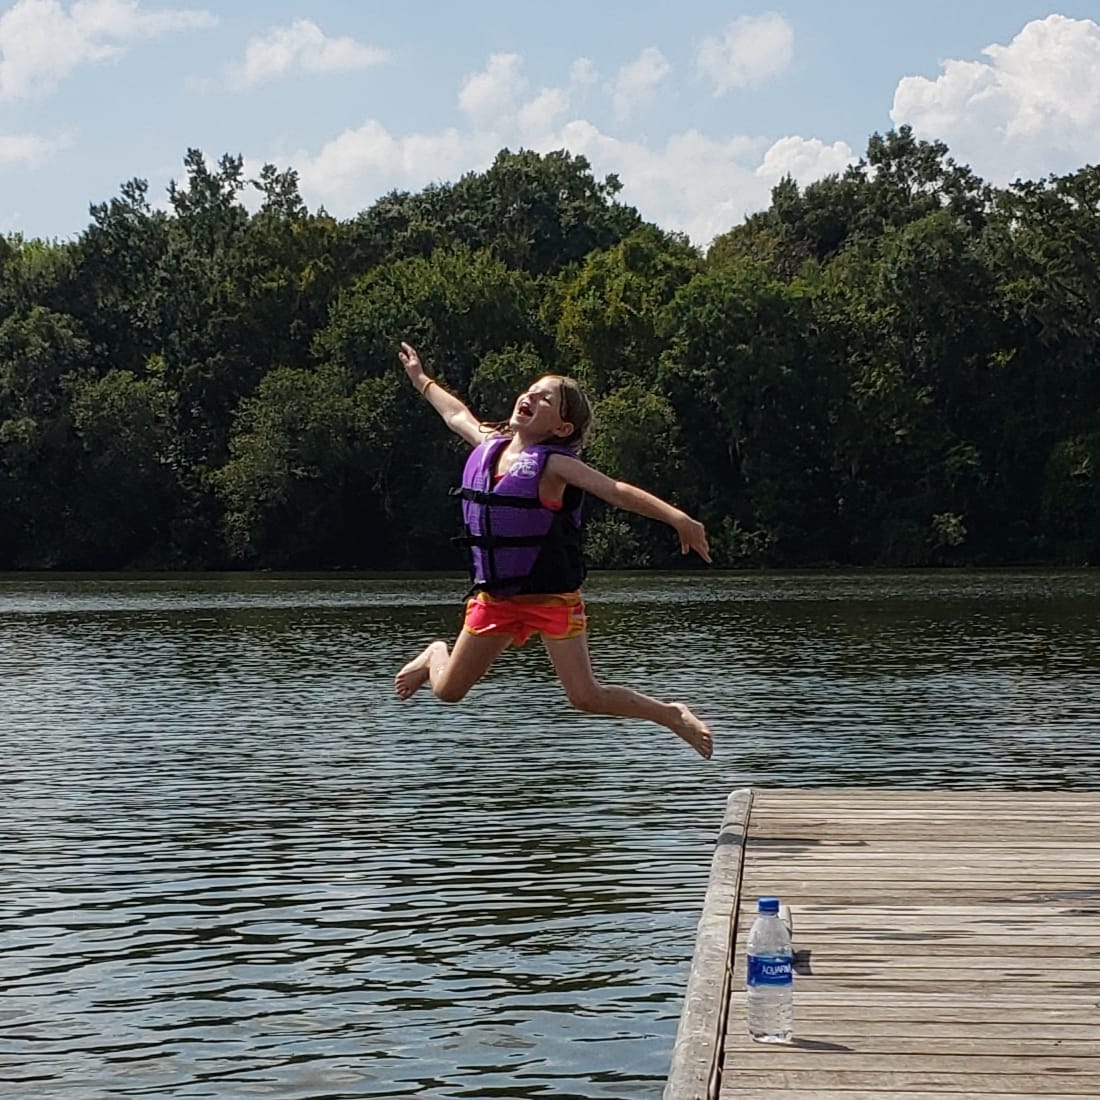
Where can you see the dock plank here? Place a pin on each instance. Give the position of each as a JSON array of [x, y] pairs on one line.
[[946, 942]]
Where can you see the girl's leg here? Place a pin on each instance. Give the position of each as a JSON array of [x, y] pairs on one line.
[[574, 669], [451, 674]]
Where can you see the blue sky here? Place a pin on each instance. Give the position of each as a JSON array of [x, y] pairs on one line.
[[699, 107]]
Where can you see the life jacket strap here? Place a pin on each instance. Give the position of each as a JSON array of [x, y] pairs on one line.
[[486, 585], [479, 496], [496, 542]]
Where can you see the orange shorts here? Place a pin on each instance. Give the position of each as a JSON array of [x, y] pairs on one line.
[[556, 617]]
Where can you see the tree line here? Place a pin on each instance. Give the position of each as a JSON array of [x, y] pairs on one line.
[[898, 365]]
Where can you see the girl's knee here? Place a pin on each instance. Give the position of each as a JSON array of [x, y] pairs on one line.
[[447, 692], [587, 697]]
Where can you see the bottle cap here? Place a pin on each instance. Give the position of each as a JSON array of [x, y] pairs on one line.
[[767, 905]]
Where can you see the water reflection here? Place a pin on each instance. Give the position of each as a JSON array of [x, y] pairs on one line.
[[234, 865]]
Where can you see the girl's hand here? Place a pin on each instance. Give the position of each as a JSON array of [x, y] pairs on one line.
[[411, 362], [693, 536]]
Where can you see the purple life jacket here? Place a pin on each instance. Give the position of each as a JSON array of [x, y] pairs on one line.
[[517, 545]]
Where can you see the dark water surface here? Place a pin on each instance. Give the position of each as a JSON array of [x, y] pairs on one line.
[[233, 865]]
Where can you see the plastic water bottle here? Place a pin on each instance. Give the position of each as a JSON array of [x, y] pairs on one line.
[[771, 976]]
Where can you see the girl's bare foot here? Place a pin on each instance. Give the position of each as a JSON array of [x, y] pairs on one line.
[[694, 732], [414, 675]]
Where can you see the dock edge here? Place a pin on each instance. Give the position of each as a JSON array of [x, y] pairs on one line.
[[695, 1070]]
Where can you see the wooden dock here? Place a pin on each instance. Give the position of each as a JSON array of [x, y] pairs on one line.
[[946, 944]]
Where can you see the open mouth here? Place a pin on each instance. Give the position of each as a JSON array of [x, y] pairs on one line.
[[524, 408]]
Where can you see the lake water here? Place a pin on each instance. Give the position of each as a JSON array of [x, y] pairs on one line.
[[233, 865]]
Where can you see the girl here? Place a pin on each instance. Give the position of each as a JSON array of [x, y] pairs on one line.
[[521, 492]]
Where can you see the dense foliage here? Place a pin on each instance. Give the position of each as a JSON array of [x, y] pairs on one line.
[[899, 365]]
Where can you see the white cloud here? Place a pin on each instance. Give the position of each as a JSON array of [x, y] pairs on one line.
[[1032, 109], [42, 42], [805, 159], [301, 47], [542, 114], [693, 183], [750, 50], [489, 98], [635, 84], [582, 73], [357, 166], [28, 150]]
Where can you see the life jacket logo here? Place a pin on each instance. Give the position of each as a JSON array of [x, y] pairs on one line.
[[525, 466]]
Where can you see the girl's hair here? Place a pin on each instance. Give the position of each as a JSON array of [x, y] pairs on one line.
[[575, 409]]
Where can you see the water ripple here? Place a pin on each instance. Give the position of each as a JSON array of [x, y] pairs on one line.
[[233, 865]]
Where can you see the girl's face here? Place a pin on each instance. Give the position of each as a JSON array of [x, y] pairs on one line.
[[537, 411]]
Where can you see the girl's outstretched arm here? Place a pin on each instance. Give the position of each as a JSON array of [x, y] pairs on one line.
[[622, 494], [455, 415]]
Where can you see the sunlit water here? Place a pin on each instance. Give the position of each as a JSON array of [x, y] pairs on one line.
[[233, 865]]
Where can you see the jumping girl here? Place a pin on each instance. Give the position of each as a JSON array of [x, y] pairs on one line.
[[521, 499]]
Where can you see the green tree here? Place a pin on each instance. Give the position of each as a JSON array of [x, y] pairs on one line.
[[920, 386], [206, 363], [41, 352], [457, 305], [1070, 504], [118, 261], [535, 212], [125, 496], [636, 437], [610, 322], [757, 393], [305, 484], [1044, 246]]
